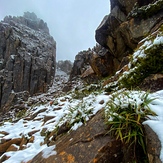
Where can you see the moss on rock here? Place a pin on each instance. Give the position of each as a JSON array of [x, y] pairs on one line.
[[147, 10], [148, 61]]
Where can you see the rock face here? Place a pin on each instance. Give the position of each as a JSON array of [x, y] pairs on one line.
[[118, 35], [126, 25], [27, 58], [153, 83], [90, 143], [81, 63], [92, 64], [90, 138], [153, 145]]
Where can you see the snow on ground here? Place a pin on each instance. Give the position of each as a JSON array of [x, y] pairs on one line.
[[59, 111], [156, 123], [66, 108]]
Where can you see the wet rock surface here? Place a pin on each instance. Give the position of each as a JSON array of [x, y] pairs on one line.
[[89, 143], [153, 145]]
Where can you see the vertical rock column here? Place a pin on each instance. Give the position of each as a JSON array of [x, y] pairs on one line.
[[27, 58]]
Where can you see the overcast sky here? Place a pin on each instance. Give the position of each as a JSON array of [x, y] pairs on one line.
[[72, 23]]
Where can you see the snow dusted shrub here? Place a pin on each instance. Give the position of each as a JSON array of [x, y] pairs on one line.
[[125, 113], [76, 116], [148, 59]]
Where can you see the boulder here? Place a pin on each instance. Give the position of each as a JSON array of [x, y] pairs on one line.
[[27, 58], [102, 63], [89, 143], [154, 83], [80, 64], [153, 145], [6, 145], [124, 5], [92, 64]]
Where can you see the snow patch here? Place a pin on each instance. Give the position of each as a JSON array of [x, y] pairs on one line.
[[49, 151]]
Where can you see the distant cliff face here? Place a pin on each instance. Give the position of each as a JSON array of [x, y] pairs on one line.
[[27, 58], [65, 66]]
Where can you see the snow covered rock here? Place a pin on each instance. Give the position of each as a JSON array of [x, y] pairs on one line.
[[27, 58]]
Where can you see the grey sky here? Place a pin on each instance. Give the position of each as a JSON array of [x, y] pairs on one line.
[[72, 23]]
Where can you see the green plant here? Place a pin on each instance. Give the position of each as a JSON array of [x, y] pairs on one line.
[[125, 113], [147, 10], [76, 115], [87, 90], [148, 61], [21, 113]]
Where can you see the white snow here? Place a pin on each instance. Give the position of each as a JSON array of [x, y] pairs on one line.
[[76, 126], [49, 151], [12, 56], [158, 40], [156, 123], [69, 110]]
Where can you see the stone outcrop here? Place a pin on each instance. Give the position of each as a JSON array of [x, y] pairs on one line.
[[154, 82], [92, 64], [153, 145], [118, 35], [27, 58], [126, 25], [90, 138], [81, 63]]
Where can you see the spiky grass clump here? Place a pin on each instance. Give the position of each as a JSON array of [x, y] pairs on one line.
[[125, 113], [76, 116]]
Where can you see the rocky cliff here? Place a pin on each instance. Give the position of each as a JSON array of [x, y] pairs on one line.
[[27, 59], [119, 34], [92, 64], [127, 24]]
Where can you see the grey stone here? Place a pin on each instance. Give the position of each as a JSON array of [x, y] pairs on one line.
[[27, 57]]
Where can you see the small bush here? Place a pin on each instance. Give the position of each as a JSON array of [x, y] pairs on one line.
[[125, 113], [76, 115], [149, 61]]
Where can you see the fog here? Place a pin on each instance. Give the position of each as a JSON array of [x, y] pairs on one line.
[[72, 23]]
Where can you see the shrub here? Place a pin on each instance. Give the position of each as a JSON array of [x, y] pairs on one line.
[[125, 113], [147, 60]]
